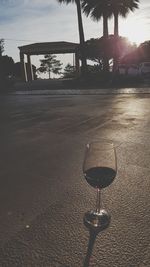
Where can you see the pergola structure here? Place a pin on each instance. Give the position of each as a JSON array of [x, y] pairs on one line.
[[43, 49]]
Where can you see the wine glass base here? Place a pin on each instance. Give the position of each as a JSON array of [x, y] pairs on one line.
[[97, 221]]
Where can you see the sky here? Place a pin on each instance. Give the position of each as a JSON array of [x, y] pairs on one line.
[[24, 22]]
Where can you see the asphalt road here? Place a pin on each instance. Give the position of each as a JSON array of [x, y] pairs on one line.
[[43, 195]]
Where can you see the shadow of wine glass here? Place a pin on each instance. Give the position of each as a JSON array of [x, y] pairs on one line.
[[92, 237]]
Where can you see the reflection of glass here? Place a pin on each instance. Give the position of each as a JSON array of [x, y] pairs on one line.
[[99, 168]]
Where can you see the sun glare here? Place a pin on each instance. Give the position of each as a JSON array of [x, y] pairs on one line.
[[136, 31]]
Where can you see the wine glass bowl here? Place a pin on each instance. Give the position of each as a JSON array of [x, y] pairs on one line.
[[99, 169]]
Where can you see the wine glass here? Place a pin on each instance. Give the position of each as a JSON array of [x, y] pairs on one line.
[[99, 168]]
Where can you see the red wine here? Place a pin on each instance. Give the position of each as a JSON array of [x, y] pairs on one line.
[[100, 177]]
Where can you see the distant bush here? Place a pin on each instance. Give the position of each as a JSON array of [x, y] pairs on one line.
[[69, 71], [99, 77], [121, 80], [6, 84], [6, 66], [6, 73]]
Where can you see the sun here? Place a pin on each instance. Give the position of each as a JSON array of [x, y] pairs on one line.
[[135, 30]]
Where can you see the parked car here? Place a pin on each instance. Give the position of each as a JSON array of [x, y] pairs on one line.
[[144, 69]]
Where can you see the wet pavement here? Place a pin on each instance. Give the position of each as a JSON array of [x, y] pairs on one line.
[[43, 194]]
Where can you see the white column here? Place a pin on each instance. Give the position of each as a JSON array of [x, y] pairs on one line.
[[30, 70], [23, 68]]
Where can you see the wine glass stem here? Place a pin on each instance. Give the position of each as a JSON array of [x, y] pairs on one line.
[[98, 201]]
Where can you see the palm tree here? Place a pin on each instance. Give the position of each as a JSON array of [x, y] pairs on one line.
[[98, 9], [81, 33], [120, 8]]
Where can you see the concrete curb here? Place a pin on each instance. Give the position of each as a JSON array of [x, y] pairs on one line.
[[84, 91]]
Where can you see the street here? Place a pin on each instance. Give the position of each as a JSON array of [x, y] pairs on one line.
[[43, 193]]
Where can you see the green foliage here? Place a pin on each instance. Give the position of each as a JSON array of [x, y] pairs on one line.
[[145, 50], [69, 71], [6, 73], [1, 46], [98, 9], [106, 9], [95, 69], [138, 55], [50, 65], [6, 66], [66, 1], [96, 49]]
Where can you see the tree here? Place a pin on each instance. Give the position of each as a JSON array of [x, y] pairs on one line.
[[120, 8], [69, 71], [98, 9], [50, 65], [144, 51], [1, 46], [95, 48], [81, 33], [138, 55], [6, 73], [6, 66]]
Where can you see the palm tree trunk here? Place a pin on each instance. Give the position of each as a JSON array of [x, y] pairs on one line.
[[81, 37], [116, 35], [49, 73], [105, 26], [116, 31], [105, 35]]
